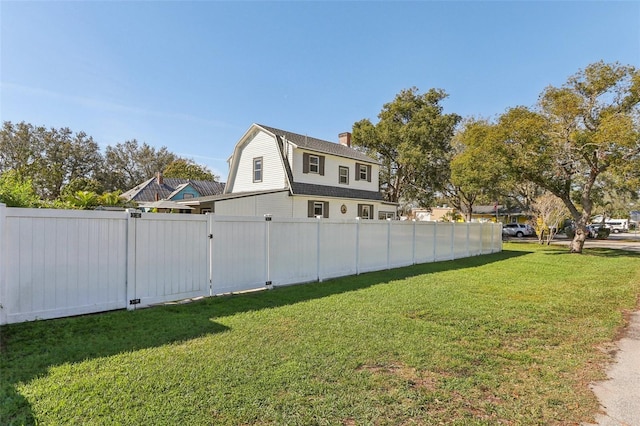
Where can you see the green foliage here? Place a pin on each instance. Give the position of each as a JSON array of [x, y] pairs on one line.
[[412, 141], [111, 199], [128, 164], [188, 169], [581, 132], [80, 184], [509, 338], [83, 199], [50, 158], [16, 191]]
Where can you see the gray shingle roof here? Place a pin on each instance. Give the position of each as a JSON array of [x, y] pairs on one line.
[[147, 190], [333, 191], [318, 145]]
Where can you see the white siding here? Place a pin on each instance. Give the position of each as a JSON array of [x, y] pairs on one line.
[[300, 207], [279, 204], [330, 178], [273, 174]]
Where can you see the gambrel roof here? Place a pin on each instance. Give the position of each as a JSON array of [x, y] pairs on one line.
[[318, 145]]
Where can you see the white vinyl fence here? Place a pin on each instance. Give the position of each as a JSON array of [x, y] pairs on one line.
[[56, 263]]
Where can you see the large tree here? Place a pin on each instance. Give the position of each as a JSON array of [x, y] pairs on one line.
[[188, 169], [475, 176], [412, 141], [579, 133], [128, 164], [50, 158]]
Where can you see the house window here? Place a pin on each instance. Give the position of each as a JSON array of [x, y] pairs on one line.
[[343, 175], [313, 163], [185, 196], [363, 172], [386, 215], [365, 211], [257, 169], [318, 208]]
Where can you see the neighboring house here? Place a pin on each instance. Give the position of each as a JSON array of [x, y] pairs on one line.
[[159, 188], [273, 171]]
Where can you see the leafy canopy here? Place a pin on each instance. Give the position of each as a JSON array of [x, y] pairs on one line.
[[412, 141]]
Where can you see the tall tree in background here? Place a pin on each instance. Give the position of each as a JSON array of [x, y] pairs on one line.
[[475, 175], [50, 158], [581, 131], [412, 142], [188, 169], [128, 164]]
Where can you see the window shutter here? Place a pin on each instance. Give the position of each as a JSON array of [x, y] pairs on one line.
[[357, 171], [325, 209], [305, 162], [322, 165], [369, 173], [310, 208], [359, 210]]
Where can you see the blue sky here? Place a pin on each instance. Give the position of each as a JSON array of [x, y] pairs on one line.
[[193, 76]]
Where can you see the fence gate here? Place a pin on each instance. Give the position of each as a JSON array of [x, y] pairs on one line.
[[167, 258]]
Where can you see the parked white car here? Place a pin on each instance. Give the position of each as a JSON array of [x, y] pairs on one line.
[[518, 230]]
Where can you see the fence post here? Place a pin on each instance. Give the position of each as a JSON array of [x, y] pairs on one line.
[[318, 245], [357, 245], [132, 301], [210, 217], [388, 243], [267, 237], [3, 267]]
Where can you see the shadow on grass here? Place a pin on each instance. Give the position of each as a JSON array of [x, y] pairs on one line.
[[597, 252], [28, 349]]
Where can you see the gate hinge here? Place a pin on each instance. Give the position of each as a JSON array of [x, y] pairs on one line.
[[268, 283], [210, 236], [134, 301], [136, 215]]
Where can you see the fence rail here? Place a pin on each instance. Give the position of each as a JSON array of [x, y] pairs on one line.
[[56, 263]]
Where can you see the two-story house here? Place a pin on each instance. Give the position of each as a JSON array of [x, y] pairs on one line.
[[273, 171]]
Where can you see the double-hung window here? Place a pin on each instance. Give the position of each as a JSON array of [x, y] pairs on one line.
[[314, 164], [343, 175], [257, 169], [363, 172]]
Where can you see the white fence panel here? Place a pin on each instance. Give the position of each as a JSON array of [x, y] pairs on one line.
[[171, 257], [239, 253], [62, 263], [372, 245], [56, 263], [337, 248], [444, 241], [425, 242], [401, 243], [460, 238], [475, 238], [293, 250], [487, 238]]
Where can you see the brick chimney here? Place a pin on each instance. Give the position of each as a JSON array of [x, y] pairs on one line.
[[345, 139], [159, 179]]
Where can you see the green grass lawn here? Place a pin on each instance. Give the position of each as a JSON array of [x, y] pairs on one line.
[[514, 338]]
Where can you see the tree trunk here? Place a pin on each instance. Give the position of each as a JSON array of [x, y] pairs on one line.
[[578, 240]]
